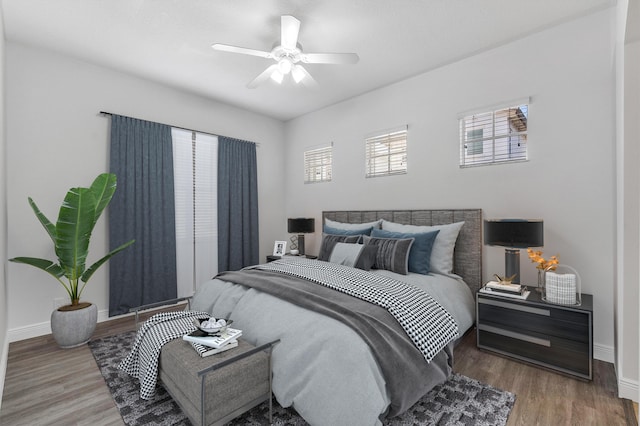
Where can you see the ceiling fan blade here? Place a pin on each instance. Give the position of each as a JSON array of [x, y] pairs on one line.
[[243, 50], [330, 58], [290, 27], [264, 76], [301, 75]]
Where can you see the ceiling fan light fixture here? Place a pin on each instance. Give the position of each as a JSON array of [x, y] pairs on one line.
[[297, 73], [277, 76], [285, 65], [286, 54]]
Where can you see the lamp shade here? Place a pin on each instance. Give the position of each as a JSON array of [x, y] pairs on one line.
[[301, 226], [515, 233]]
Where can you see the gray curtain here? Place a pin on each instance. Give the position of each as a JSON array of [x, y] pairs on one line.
[[237, 204], [142, 208]]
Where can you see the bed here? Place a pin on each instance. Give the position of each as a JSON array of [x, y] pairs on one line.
[[353, 365]]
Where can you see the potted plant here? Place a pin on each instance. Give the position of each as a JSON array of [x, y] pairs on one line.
[[73, 325]]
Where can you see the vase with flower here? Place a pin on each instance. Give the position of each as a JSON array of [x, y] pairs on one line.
[[542, 265]]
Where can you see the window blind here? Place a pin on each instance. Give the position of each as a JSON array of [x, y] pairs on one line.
[[317, 164], [494, 137], [386, 153], [195, 157]]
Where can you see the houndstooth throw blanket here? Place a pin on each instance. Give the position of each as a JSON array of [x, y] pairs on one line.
[[142, 362], [429, 326]]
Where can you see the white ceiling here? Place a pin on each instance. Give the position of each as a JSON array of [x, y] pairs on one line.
[[169, 41]]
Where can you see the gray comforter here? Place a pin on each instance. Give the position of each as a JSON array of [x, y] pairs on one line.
[[323, 367]]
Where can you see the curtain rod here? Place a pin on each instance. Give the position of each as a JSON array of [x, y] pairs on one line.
[[176, 127]]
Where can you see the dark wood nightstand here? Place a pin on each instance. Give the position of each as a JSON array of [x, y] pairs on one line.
[[557, 337]]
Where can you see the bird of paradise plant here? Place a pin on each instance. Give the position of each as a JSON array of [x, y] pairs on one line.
[[78, 215]]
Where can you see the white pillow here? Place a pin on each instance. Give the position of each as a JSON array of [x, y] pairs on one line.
[[352, 226], [345, 254], [442, 252], [355, 255]]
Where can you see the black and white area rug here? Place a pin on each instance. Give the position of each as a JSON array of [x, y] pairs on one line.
[[459, 401]]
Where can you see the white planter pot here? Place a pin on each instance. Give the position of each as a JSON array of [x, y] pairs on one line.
[[74, 328]]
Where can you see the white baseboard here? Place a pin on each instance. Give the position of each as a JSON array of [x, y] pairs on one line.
[[40, 329], [103, 315], [628, 389], [43, 328], [29, 331], [604, 353], [3, 366]]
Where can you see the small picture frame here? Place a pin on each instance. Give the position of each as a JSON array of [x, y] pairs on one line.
[[279, 248]]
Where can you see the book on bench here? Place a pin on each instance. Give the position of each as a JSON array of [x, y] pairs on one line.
[[215, 341], [206, 350]]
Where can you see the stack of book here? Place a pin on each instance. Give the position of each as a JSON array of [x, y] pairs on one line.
[[212, 343], [515, 291]]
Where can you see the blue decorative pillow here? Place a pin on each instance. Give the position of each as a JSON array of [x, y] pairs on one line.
[[443, 248], [355, 231], [420, 254], [392, 254]]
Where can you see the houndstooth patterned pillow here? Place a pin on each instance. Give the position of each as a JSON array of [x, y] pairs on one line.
[[429, 326]]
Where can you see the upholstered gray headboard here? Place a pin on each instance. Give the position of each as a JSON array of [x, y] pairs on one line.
[[467, 257]]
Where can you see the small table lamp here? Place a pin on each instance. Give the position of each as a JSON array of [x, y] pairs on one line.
[[301, 226], [514, 234]]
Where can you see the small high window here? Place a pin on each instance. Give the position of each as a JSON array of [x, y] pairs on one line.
[[494, 137], [317, 164], [386, 153]]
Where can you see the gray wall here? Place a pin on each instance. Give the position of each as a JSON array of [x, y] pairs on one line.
[[569, 180], [56, 139]]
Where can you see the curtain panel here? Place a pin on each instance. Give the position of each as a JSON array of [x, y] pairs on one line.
[[237, 204], [142, 208]]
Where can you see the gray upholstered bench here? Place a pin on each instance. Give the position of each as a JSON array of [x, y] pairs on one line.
[[215, 389]]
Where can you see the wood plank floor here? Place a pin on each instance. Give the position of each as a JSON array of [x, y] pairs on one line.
[[46, 385], [544, 397]]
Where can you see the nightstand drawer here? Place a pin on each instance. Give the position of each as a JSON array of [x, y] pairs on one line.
[[546, 320], [566, 355], [553, 336]]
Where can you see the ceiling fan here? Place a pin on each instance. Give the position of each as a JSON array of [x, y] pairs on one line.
[[288, 54]]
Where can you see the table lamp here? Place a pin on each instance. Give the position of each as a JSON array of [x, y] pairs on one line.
[[513, 234], [301, 226]]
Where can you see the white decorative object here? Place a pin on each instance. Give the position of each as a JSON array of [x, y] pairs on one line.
[[562, 286]]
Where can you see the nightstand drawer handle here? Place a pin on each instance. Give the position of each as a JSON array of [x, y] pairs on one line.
[[529, 309], [513, 334]]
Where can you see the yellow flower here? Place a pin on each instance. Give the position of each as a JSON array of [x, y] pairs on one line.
[[541, 263]]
